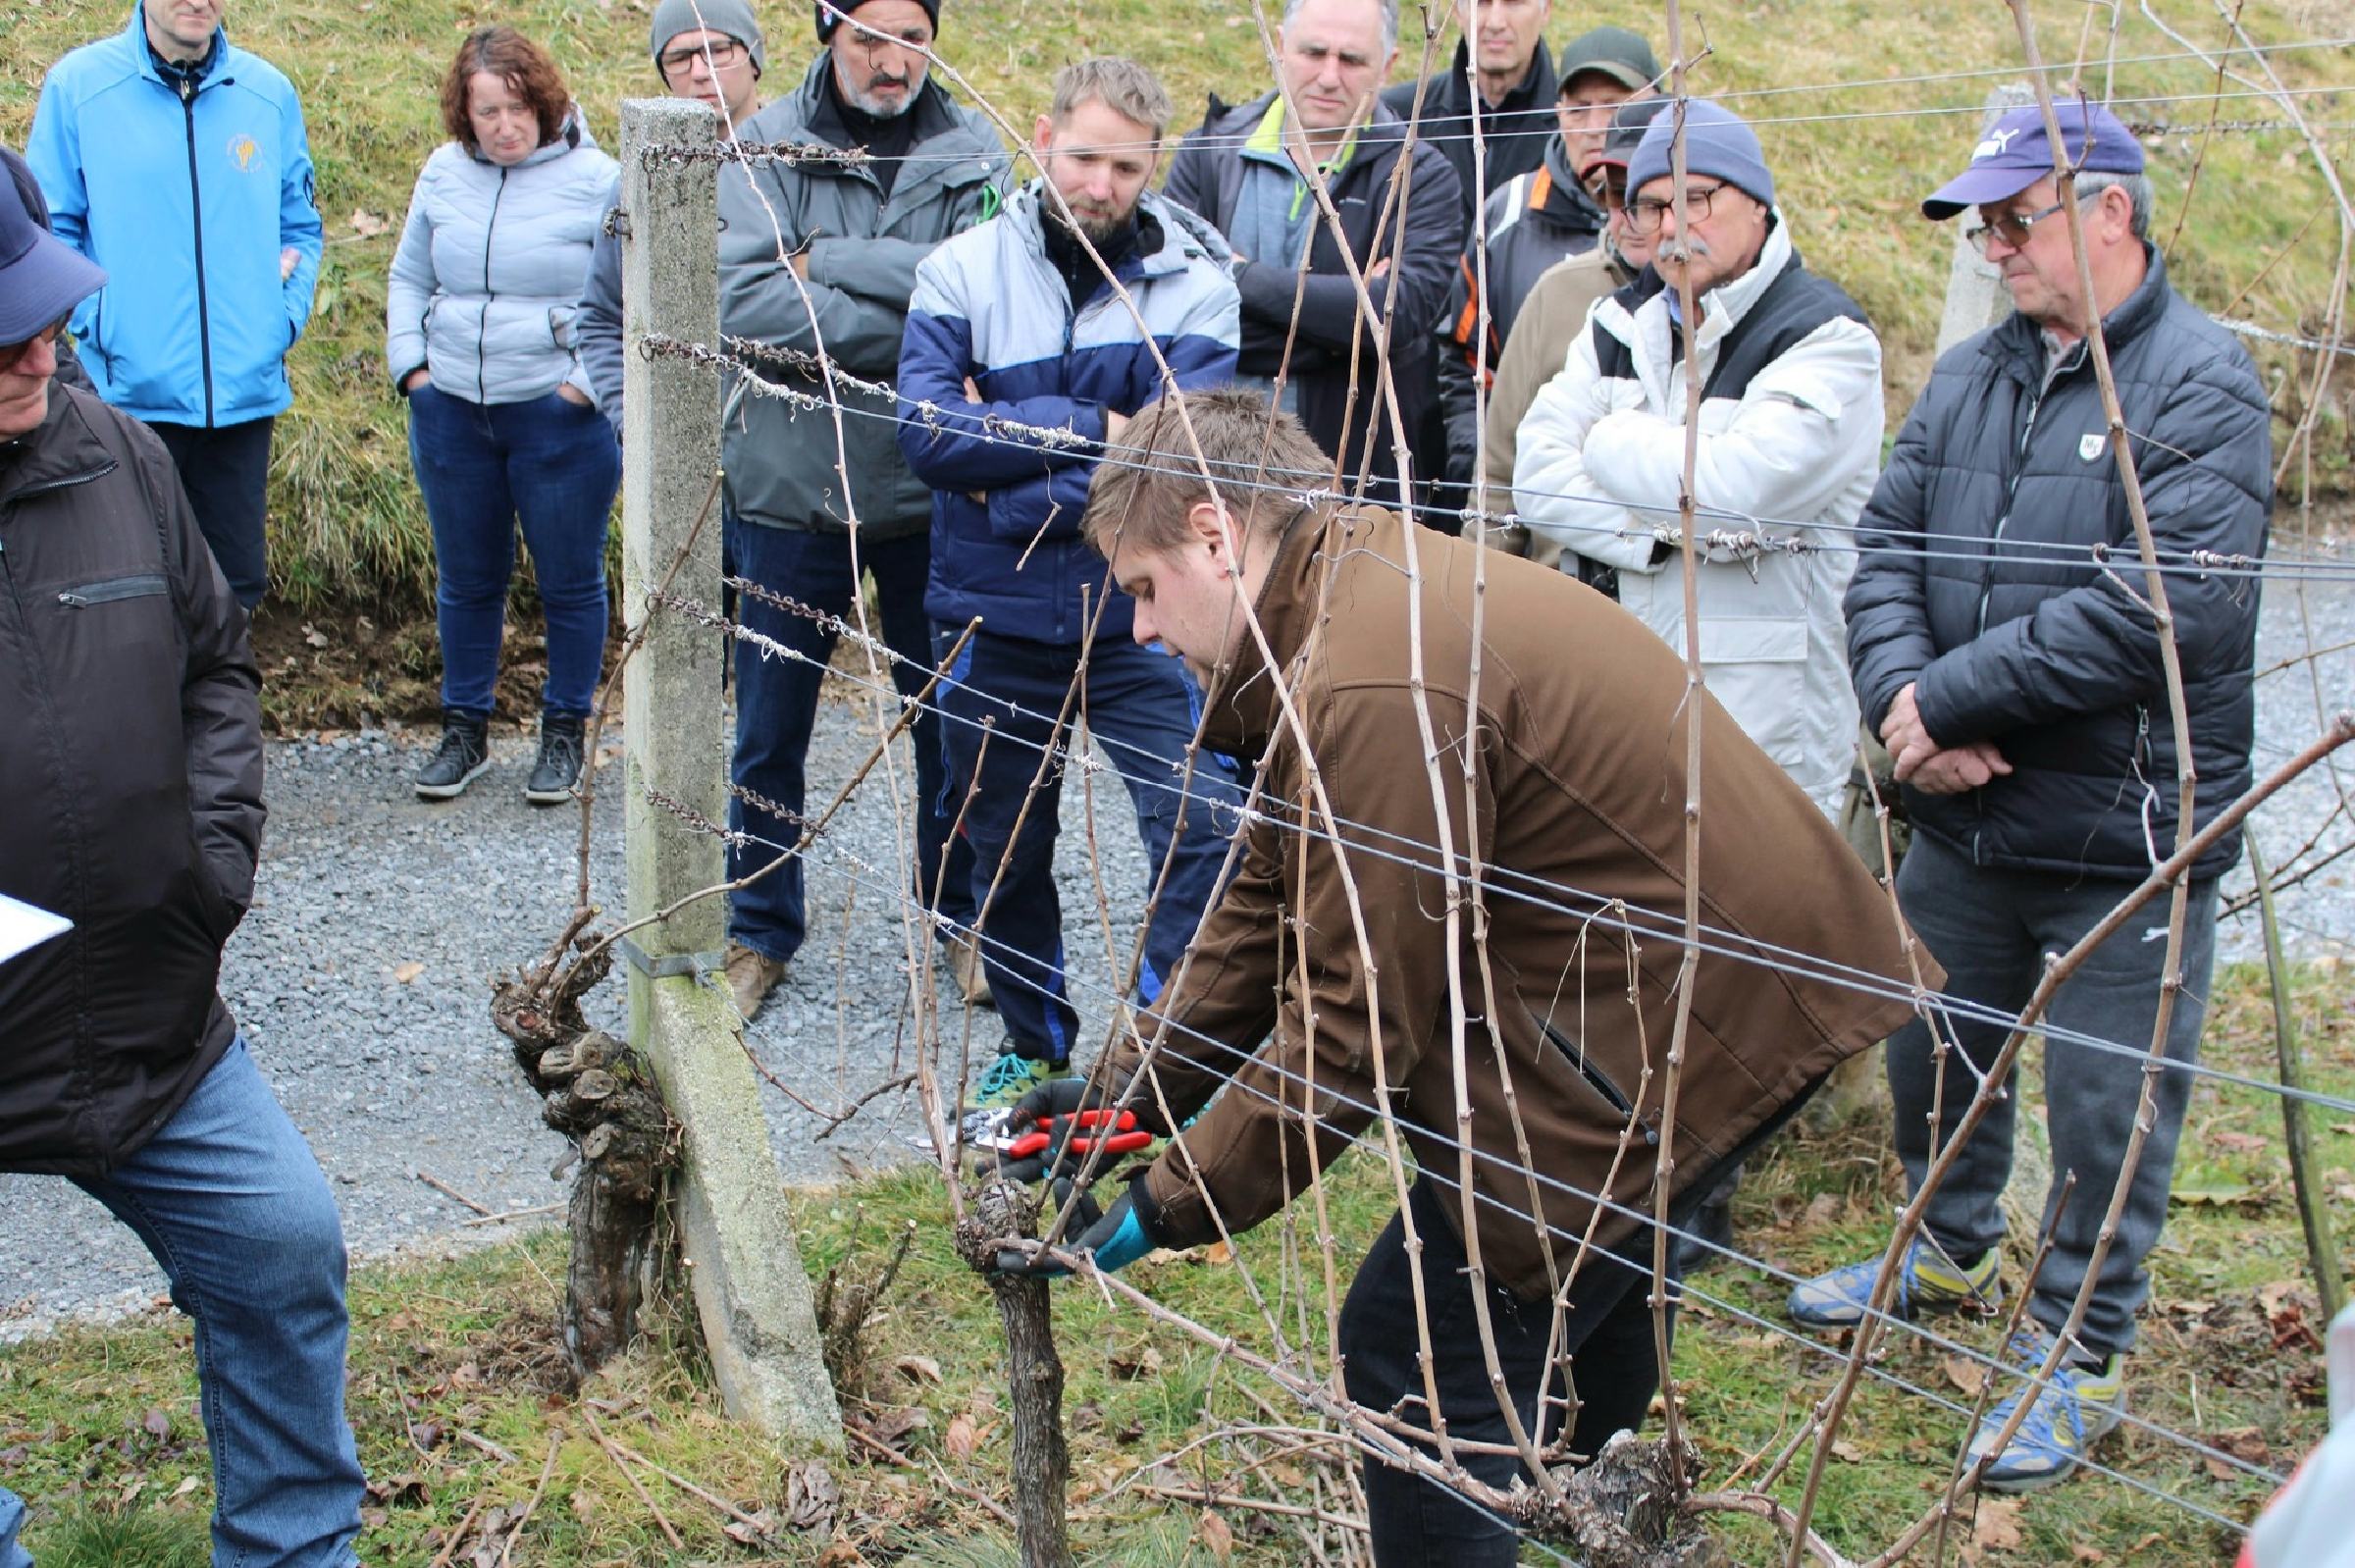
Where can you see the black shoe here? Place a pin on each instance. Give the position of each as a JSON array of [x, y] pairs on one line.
[[464, 751], [558, 768], [1711, 1222]]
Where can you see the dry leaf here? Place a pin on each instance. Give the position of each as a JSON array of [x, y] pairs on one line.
[[2238, 1142], [1823, 1211], [811, 1501], [1217, 1252], [963, 1436], [584, 1505], [917, 1369], [1965, 1374], [841, 1554], [187, 1484], [158, 1424], [1995, 1525], [367, 225], [2084, 1553], [1841, 1448], [1218, 1536], [408, 971]]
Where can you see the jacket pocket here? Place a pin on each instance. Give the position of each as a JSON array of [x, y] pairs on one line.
[[145, 585], [1588, 1069], [559, 326]]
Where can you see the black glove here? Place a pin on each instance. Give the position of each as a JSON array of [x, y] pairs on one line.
[[1117, 1237]]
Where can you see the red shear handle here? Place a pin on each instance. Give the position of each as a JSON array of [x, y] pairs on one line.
[[1116, 1130]]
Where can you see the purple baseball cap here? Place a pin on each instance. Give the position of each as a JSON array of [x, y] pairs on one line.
[[41, 277], [2016, 153]]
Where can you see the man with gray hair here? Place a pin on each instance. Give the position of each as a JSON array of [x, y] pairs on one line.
[[2015, 677], [824, 255], [1253, 170]]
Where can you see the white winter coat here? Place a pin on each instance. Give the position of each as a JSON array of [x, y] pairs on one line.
[[1597, 469], [484, 287]]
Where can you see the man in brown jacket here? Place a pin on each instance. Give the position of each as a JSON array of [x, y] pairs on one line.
[[1559, 756]]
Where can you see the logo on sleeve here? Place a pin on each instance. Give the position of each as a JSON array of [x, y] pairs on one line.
[[2090, 444]]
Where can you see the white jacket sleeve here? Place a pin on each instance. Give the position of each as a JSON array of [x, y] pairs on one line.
[[1553, 492], [409, 289], [1789, 447]]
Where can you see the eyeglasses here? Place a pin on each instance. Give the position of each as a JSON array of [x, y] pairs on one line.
[[12, 354], [2013, 227], [1644, 214], [722, 54]]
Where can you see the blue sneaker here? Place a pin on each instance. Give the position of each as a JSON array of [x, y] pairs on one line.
[[1011, 1076], [1930, 1283], [2078, 1407]]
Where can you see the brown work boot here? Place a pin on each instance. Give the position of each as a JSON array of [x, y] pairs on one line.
[[750, 977], [965, 967]]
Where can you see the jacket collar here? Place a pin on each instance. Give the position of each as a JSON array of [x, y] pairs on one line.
[[1565, 200], [216, 53], [572, 135], [2016, 343], [62, 449], [1240, 710], [1451, 90], [1724, 307], [1185, 239], [797, 116]]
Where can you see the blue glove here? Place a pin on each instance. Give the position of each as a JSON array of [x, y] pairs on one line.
[[1117, 1237]]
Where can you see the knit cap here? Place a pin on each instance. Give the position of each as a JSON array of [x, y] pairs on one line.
[[731, 17], [1718, 144], [831, 12]]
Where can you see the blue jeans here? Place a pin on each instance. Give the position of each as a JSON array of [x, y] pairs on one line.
[[482, 466], [230, 1201], [776, 707], [1141, 705], [1991, 928]]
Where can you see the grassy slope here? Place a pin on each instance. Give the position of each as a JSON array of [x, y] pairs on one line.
[[349, 524], [465, 1345]]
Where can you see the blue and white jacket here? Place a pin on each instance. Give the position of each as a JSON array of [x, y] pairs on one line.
[[186, 200], [1006, 510]]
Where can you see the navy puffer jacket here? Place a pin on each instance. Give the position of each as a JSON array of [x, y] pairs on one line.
[[2044, 653]]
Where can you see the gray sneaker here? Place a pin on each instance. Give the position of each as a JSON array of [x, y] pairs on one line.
[[460, 758]]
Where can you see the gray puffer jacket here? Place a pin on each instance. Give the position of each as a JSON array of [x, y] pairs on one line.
[[1975, 585], [484, 286], [863, 251]]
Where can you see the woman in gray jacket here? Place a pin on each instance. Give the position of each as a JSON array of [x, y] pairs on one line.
[[478, 335]]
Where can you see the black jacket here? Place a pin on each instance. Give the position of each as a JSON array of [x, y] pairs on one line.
[[131, 783], [1535, 221], [1513, 135], [1206, 176], [2050, 657]]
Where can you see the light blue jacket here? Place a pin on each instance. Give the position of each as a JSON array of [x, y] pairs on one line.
[[186, 203], [488, 277]]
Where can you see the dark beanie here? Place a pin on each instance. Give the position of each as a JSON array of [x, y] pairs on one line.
[[829, 14], [731, 17]]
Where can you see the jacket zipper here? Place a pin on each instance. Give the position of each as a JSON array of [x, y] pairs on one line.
[[1596, 1079], [2002, 521], [144, 586], [204, 322], [482, 354]]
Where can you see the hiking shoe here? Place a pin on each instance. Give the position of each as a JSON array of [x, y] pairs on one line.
[[464, 751], [1930, 1283], [2074, 1411], [1010, 1076], [964, 953], [558, 766], [750, 977]]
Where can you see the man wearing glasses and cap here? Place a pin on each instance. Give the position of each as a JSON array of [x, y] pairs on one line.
[[132, 784], [1529, 222], [2015, 677]]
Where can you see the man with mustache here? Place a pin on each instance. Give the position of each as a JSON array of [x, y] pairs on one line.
[[1021, 362], [2016, 680], [824, 255], [1253, 170], [178, 163], [1790, 445]]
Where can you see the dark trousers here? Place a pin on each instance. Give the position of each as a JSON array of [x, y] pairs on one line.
[[777, 709], [551, 465], [225, 471], [1139, 703], [1991, 928], [1606, 1343]]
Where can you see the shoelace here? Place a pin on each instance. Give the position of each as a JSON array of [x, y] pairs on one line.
[[1003, 1073]]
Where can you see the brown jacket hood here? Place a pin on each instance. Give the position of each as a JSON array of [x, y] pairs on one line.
[[1562, 772]]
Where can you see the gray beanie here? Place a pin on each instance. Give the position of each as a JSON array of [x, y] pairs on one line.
[[731, 17], [1718, 144]]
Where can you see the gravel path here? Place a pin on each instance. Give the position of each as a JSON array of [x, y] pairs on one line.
[[360, 975]]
